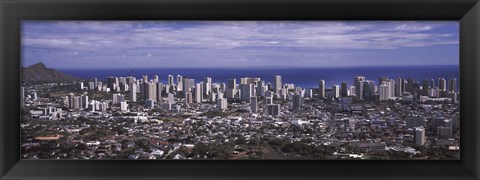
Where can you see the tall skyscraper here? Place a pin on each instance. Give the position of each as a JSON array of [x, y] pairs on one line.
[[254, 104], [130, 79], [321, 89], [123, 106], [222, 103], [155, 79], [179, 83], [246, 92], [382, 79], [158, 91], [133, 92], [207, 86], [144, 78], [80, 85], [297, 101], [273, 109], [95, 80], [444, 132], [410, 87], [368, 89], [399, 87], [150, 91], [357, 82], [112, 83], [232, 83], [261, 88], [278, 83], [336, 91], [344, 90], [432, 83], [425, 87], [384, 92], [452, 84], [188, 98], [442, 84], [84, 101], [170, 80], [420, 136], [188, 84], [198, 93]]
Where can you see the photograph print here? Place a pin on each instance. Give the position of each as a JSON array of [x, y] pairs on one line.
[[240, 90]]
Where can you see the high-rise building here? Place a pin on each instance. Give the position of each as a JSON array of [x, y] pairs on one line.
[[358, 83], [410, 87], [261, 88], [159, 89], [452, 84], [442, 84], [368, 89], [80, 85], [444, 132], [99, 86], [71, 99], [117, 98], [179, 83], [155, 79], [91, 86], [188, 98], [246, 92], [207, 86], [77, 102], [420, 136], [383, 92], [254, 104], [123, 106], [273, 109], [278, 83], [144, 78], [222, 103], [344, 90], [321, 89], [308, 94], [188, 84], [297, 101], [130, 79], [95, 80], [399, 87], [170, 80], [414, 121], [198, 93], [112, 83], [150, 104], [150, 91], [171, 98], [133, 92], [425, 87], [382, 79], [232, 83], [336, 91], [432, 83], [84, 101], [387, 90], [230, 93]]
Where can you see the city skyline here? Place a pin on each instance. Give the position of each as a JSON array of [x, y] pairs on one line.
[[242, 44]]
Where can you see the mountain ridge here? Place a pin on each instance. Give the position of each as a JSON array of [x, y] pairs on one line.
[[39, 72]]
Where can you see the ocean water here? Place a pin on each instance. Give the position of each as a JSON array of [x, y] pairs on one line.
[[303, 77]]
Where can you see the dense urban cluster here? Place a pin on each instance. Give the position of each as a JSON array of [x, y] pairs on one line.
[[181, 118]]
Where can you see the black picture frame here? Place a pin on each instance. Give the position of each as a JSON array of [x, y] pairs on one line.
[[467, 12]]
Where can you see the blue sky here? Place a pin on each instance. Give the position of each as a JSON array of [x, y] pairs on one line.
[[248, 44]]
